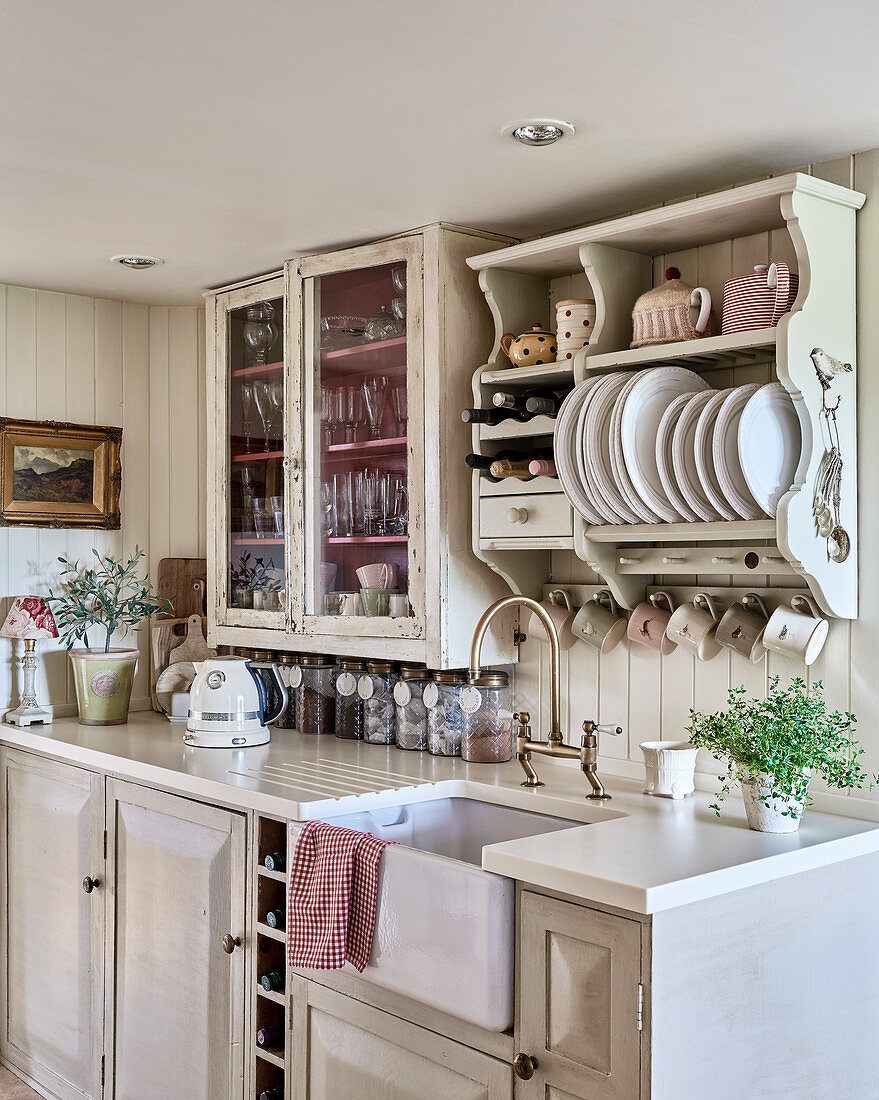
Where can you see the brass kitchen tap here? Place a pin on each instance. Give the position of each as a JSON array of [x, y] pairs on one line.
[[554, 745]]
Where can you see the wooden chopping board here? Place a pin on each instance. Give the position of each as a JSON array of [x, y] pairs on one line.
[[193, 647], [182, 581]]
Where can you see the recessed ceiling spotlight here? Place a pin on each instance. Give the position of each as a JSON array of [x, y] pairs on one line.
[[538, 131], [138, 263]]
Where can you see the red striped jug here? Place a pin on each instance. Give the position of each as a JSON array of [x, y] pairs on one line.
[[758, 300]]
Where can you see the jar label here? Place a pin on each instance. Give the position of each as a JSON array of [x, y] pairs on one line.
[[346, 683], [365, 687], [402, 693], [470, 699], [430, 695], [294, 677]]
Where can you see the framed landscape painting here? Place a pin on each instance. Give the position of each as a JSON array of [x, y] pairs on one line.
[[59, 475]]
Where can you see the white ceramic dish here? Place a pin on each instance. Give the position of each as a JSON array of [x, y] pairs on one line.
[[664, 464], [642, 408], [703, 447], [684, 457], [565, 448], [618, 460], [585, 466], [597, 443], [727, 463], [770, 442]]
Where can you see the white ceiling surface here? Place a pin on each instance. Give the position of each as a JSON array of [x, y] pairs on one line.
[[227, 137]]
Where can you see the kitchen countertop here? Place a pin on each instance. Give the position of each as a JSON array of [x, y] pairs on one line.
[[639, 853]]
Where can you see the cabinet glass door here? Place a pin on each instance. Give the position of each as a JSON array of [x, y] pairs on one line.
[[362, 437], [255, 493]]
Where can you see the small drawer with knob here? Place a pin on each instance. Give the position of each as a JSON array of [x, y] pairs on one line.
[[526, 515]]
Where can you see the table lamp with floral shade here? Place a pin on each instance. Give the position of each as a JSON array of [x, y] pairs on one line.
[[29, 618]]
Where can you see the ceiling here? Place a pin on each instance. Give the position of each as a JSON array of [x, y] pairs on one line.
[[227, 137]]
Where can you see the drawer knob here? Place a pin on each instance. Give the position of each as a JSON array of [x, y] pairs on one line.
[[230, 942], [89, 884], [524, 1066], [517, 515]]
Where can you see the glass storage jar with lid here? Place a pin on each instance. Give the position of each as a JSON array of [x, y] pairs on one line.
[[349, 705], [487, 736], [287, 663], [411, 711], [315, 694], [444, 717], [375, 688]]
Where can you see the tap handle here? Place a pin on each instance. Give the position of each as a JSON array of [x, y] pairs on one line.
[[590, 726], [523, 724]]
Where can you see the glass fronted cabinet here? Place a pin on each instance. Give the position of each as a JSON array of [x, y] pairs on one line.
[[360, 376], [341, 516], [251, 519]]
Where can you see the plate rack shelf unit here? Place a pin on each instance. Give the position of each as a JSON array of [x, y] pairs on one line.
[[269, 1063], [802, 220]]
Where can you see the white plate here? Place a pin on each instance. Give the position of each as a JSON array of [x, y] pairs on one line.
[[564, 450], [641, 412], [664, 438], [703, 447], [618, 460], [683, 455], [597, 443], [770, 442], [584, 465], [726, 453]]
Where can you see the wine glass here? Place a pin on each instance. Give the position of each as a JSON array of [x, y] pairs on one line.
[[276, 400], [354, 415], [374, 396], [262, 400], [398, 276], [400, 406], [248, 410], [259, 333]]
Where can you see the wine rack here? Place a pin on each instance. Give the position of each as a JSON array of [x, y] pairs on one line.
[[270, 1007]]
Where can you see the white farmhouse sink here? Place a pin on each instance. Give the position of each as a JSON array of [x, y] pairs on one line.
[[444, 927]]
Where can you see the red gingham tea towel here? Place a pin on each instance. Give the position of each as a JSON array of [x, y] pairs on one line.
[[332, 901]]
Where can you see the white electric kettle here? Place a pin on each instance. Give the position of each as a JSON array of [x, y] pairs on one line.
[[227, 705]]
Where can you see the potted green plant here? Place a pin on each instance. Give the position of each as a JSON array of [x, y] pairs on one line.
[[110, 598], [246, 580], [773, 747]]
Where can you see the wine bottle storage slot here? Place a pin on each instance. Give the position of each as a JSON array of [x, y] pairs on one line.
[[270, 1020]]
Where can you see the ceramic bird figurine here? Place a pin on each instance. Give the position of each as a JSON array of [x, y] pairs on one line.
[[826, 366]]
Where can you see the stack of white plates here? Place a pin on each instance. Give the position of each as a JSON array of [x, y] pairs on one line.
[[660, 446]]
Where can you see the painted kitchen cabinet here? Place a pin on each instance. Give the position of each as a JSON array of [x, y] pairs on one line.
[[117, 983], [579, 1002], [175, 888], [341, 447], [344, 1048], [52, 936]]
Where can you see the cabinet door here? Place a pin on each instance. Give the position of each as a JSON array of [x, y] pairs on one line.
[[358, 371], [175, 999], [53, 818], [343, 1048], [248, 457], [578, 1001]]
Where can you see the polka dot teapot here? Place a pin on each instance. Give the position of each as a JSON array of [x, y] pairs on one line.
[[530, 348]]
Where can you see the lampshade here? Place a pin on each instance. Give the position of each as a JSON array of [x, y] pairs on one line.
[[29, 617]]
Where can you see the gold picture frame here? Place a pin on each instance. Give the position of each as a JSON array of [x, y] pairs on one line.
[[59, 475]]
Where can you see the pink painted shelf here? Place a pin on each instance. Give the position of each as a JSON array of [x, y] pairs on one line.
[[363, 540], [386, 356], [257, 542], [258, 456], [394, 445], [269, 368]]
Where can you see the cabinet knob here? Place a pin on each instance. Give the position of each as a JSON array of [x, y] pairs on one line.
[[230, 942], [517, 515], [89, 884], [524, 1066]]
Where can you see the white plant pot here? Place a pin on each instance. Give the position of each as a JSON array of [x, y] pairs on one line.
[[770, 816], [669, 768]]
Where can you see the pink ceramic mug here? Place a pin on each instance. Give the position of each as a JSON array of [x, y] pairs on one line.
[[381, 574], [648, 622]]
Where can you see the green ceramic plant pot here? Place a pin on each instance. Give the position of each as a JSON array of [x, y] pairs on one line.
[[103, 684]]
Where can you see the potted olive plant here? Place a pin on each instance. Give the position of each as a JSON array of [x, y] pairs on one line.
[[253, 585], [110, 598], [774, 746]]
